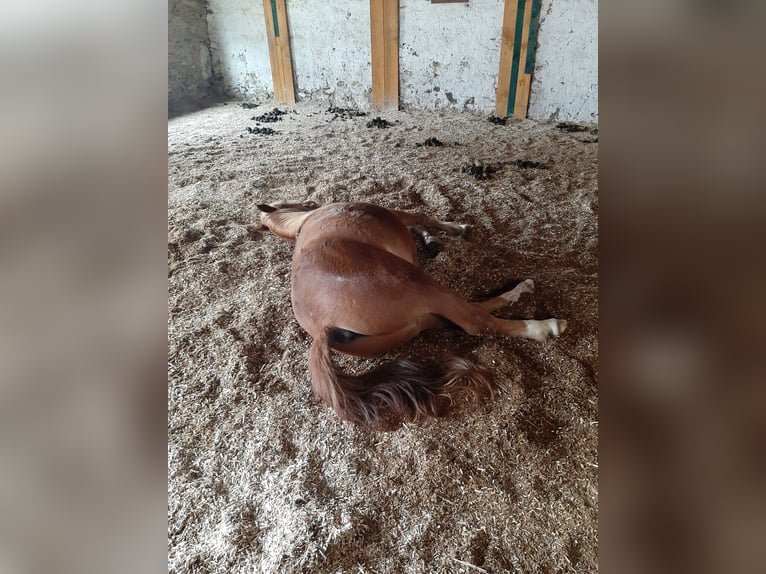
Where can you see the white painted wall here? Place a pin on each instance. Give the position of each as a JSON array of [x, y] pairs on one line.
[[449, 54], [448, 58], [565, 82], [239, 48], [330, 45]]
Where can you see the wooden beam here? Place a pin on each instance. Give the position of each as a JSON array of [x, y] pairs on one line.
[[384, 44], [275, 14], [506, 57], [524, 80], [517, 51]]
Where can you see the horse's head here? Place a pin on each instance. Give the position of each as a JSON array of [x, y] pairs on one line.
[[285, 218]]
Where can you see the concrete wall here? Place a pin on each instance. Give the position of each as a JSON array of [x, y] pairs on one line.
[[190, 73], [449, 54]]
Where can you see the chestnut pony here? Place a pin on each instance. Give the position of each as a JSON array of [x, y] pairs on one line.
[[356, 288]]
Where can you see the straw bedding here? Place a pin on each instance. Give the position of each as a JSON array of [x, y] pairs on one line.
[[262, 477]]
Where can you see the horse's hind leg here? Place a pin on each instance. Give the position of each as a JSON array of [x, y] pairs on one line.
[[475, 318], [476, 324], [371, 345]]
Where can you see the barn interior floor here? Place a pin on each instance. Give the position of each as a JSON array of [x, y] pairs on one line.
[[262, 477]]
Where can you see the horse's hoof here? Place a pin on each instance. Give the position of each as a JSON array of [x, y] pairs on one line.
[[527, 286], [558, 326], [433, 249], [547, 328], [465, 229]]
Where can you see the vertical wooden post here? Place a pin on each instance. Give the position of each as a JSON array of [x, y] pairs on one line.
[[275, 14], [384, 40], [526, 58], [506, 58], [517, 51]]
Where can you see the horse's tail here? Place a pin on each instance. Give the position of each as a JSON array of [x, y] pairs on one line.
[[394, 392]]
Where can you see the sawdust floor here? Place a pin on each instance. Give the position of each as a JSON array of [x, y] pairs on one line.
[[264, 478]]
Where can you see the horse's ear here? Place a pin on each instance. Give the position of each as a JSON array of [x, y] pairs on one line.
[[266, 208]]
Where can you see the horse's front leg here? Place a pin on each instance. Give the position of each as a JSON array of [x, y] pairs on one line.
[[420, 225], [432, 245], [424, 221], [492, 305]]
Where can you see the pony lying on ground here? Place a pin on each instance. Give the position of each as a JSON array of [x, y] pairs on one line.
[[356, 288]]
